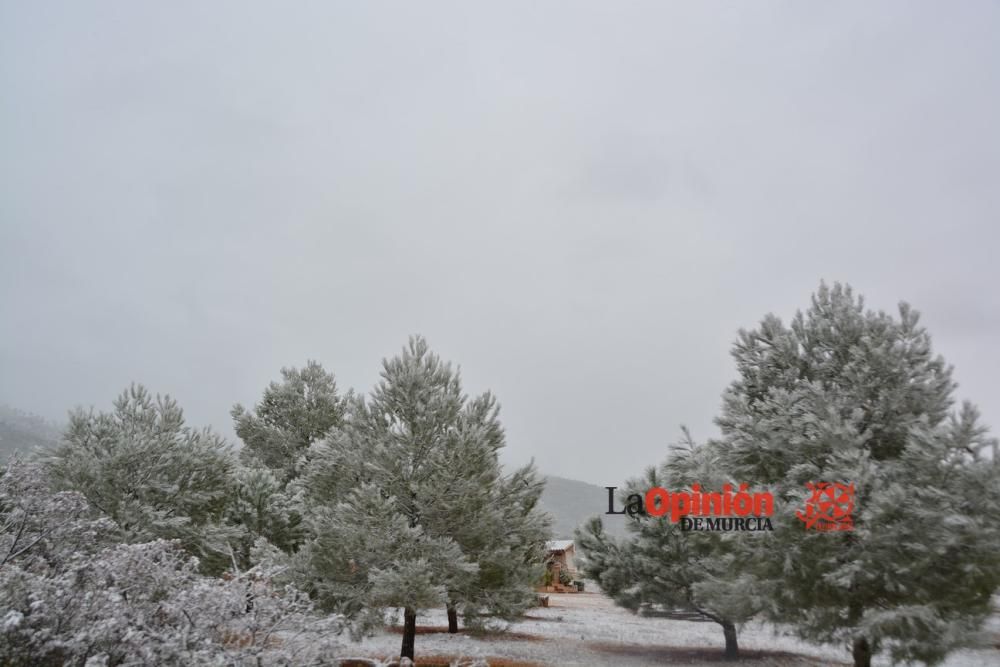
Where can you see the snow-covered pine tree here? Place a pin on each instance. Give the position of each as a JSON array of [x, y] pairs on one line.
[[154, 476], [493, 518], [264, 508], [854, 396], [658, 565], [515, 562], [407, 504], [291, 415]]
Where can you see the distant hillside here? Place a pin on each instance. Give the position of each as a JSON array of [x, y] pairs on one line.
[[24, 432], [571, 502]]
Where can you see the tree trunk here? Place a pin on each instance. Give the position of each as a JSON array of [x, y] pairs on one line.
[[409, 633], [732, 645], [862, 653], [452, 620]]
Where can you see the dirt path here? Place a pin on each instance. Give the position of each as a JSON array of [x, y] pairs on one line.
[[588, 629]]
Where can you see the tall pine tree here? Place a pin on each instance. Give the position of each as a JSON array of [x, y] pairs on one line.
[[292, 414], [494, 518], [847, 395], [408, 505]]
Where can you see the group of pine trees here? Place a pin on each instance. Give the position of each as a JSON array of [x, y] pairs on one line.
[[841, 394], [396, 500]]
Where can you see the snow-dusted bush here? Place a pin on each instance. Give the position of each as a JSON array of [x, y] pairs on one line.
[[40, 529], [69, 595], [146, 604]]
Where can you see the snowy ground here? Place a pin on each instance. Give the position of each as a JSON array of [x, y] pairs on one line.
[[587, 629]]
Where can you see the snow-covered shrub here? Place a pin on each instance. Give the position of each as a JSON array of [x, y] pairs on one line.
[[146, 604], [41, 529], [70, 595]]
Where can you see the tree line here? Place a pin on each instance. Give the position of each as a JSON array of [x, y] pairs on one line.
[[140, 538], [361, 504]]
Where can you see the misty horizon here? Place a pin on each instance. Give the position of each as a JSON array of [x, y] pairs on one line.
[[579, 208]]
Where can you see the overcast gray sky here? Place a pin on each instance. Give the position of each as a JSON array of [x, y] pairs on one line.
[[580, 203]]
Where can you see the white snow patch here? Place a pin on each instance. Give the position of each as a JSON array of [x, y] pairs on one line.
[[568, 632]]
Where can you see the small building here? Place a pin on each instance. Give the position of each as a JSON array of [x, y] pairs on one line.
[[561, 554]]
